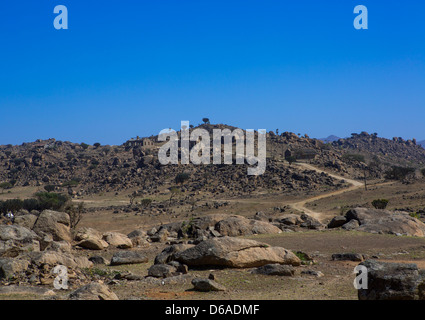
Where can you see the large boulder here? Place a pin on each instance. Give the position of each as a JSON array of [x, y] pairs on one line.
[[206, 285], [168, 254], [118, 240], [235, 253], [238, 225], [384, 221], [54, 258], [392, 281], [337, 222], [10, 267], [90, 238], [14, 239], [138, 238], [93, 291], [128, 257], [26, 220], [57, 224]]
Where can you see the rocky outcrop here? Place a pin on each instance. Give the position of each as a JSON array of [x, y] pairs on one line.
[[235, 253], [238, 225], [386, 222], [117, 240], [392, 281], [54, 223], [15, 239], [90, 238]]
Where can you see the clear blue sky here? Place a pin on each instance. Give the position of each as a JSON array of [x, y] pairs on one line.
[[134, 67]]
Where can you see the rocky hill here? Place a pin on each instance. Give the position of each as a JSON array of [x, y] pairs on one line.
[[82, 169], [391, 152]]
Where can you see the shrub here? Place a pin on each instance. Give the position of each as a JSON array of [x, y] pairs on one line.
[[398, 173], [380, 203], [49, 188], [50, 200], [353, 157], [423, 172], [12, 205], [84, 145], [5, 185], [182, 177], [71, 183]]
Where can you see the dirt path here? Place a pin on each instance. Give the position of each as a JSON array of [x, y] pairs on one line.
[[301, 205]]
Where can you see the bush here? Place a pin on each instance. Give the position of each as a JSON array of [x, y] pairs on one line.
[[71, 183], [182, 177], [380, 203], [84, 145], [49, 188], [398, 173], [5, 185], [50, 200], [423, 172], [12, 205], [353, 157]]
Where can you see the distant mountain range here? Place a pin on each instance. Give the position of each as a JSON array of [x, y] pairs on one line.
[[422, 143], [331, 138]]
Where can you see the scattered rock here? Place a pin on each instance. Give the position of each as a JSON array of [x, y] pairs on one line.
[[128, 257], [118, 240], [337, 222], [315, 273], [162, 271], [275, 270], [98, 260], [93, 291], [206, 285], [347, 257]]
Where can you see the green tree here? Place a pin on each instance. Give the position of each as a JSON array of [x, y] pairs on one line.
[[206, 120], [380, 203], [174, 191], [5, 185]]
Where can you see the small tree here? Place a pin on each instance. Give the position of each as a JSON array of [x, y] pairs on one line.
[[380, 203], [84, 145], [5, 185], [133, 196], [75, 214], [174, 191], [96, 145], [146, 203], [206, 120]]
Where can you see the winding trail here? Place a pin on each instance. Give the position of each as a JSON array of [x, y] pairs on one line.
[[301, 205]]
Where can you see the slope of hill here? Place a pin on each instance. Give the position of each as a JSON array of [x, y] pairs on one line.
[[395, 152]]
